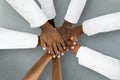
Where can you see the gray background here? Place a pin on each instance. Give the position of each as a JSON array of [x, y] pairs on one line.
[[15, 63]]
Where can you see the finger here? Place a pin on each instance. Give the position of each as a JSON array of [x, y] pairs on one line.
[[73, 38], [43, 45], [62, 54], [67, 48], [58, 56], [69, 43], [63, 44], [56, 52], [72, 47], [52, 54], [60, 48], [50, 51], [74, 43]]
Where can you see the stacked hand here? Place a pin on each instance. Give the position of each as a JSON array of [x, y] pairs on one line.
[[51, 40], [64, 38], [68, 35], [72, 43]]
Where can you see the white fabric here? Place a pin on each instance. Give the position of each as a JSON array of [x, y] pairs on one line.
[[48, 8], [10, 39], [75, 10], [100, 24], [30, 11], [105, 65]]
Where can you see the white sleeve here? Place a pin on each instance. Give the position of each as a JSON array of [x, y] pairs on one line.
[[75, 10], [10, 39], [105, 65], [48, 8], [30, 11], [101, 24]]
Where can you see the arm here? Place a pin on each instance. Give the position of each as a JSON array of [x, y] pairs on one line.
[[30, 11], [37, 69], [56, 69], [105, 65], [48, 8], [101, 24], [75, 10], [102, 64], [97, 25], [10, 39], [36, 17], [72, 16]]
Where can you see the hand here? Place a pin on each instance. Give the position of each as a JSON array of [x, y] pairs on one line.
[[51, 40], [72, 44], [64, 31], [75, 33]]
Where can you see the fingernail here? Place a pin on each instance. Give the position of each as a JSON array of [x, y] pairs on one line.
[[72, 47], [62, 54], [64, 47], [48, 51], [71, 38], [54, 56], [67, 49], [58, 56], [74, 43], [44, 48]]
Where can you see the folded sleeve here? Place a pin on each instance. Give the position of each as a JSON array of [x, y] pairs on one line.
[[48, 8], [101, 24], [30, 11], [75, 10], [105, 65], [10, 39]]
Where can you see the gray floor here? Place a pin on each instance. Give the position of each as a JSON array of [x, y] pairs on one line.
[[15, 63]]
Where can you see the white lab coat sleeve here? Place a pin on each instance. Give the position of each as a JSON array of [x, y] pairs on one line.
[[48, 8], [10, 39], [30, 11], [75, 10], [101, 24], [105, 65]]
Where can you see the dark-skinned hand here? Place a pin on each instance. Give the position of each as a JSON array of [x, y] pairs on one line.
[[73, 40], [64, 31], [51, 40]]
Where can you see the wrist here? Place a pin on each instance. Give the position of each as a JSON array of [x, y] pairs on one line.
[[46, 26], [67, 25]]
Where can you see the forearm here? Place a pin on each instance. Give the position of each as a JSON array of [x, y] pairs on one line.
[[56, 69], [106, 23], [105, 65], [48, 8], [37, 69], [75, 10], [30, 11], [11, 39]]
